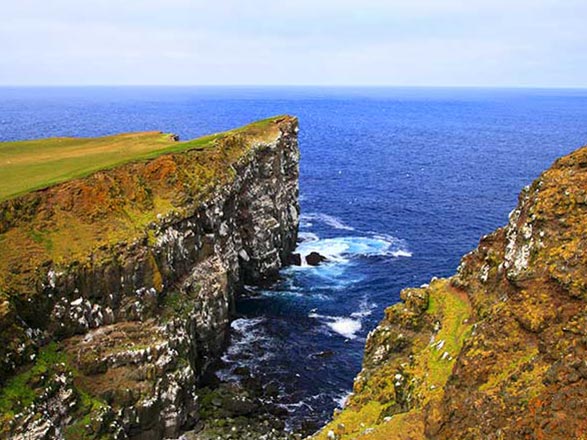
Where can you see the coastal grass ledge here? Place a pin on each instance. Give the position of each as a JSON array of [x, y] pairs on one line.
[[31, 165]]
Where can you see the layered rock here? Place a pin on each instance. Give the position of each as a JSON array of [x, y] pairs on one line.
[[497, 351], [135, 323]]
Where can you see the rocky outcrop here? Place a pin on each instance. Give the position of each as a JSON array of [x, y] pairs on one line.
[[314, 259], [113, 343], [498, 350]]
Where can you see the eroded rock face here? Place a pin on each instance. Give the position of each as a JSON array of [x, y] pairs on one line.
[[138, 327], [295, 259], [497, 351]]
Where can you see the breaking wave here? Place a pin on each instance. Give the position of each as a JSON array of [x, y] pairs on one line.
[[330, 220], [344, 326], [249, 346], [342, 249]]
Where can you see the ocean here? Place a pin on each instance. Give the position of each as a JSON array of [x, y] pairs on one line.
[[396, 185]]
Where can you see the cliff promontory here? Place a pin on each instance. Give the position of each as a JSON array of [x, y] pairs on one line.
[[117, 276], [498, 351]]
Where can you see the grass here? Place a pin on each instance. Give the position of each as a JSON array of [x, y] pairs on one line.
[[21, 390], [427, 374], [31, 165], [89, 408], [453, 309], [25, 388]]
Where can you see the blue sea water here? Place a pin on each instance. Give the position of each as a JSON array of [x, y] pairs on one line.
[[396, 185]]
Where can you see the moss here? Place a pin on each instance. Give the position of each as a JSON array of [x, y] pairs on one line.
[[22, 390], [396, 389], [87, 424], [176, 304], [156, 277], [42, 239], [452, 310], [28, 386]]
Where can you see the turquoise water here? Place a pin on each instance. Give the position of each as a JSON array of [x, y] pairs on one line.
[[396, 185]]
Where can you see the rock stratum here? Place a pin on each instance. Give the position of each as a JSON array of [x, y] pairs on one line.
[[498, 351], [116, 288]]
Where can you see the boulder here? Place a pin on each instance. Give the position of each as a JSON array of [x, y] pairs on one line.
[[314, 258]]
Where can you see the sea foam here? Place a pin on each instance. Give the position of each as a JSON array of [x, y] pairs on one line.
[[330, 220], [342, 249], [344, 326]]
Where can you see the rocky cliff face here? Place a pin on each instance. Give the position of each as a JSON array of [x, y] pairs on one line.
[[107, 338], [498, 351]]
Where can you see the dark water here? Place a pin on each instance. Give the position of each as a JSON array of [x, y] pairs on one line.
[[396, 185]]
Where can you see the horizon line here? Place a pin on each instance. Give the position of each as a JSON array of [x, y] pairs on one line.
[[331, 86]]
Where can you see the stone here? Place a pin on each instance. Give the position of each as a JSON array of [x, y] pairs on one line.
[[323, 354], [314, 259], [294, 259]]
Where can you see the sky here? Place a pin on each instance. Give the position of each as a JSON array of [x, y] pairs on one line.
[[497, 43]]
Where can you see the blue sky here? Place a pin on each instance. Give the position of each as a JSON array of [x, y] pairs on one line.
[[539, 43]]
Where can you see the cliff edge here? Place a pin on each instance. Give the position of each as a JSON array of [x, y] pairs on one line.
[[498, 351], [116, 285]]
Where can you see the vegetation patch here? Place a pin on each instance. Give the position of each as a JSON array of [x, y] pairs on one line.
[[389, 403], [22, 390], [36, 382]]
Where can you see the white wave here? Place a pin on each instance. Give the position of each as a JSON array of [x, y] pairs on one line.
[[344, 326], [244, 325], [246, 334], [341, 249], [400, 246], [299, 404], [365, 309], [401, 253], [307, 236], [330, 220], [341, 399]]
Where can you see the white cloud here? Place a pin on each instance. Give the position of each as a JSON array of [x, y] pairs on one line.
[[420, 42]]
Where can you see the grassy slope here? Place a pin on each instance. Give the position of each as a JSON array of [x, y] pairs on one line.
[[30, 165], [368, 414]]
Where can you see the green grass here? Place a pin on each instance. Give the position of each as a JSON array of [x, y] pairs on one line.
[[453, 311], [89, 407], [25, 388], [177, 304], [21, 390], [36, 164], [426, 371]]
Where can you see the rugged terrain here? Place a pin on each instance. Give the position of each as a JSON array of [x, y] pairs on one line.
[[498, 351], [116, 286]]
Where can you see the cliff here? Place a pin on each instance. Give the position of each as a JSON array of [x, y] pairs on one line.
[[498, 351], [116, 286]]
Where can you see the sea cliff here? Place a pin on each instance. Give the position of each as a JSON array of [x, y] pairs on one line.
[[497, 351], [117, 287]]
